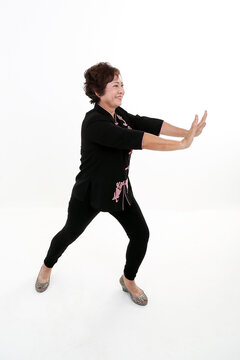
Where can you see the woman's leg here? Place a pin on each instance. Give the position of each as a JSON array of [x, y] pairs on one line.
[[137, 230], [80, 214]]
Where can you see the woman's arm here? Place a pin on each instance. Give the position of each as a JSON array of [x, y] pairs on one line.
[[170, 130], [153, 142]]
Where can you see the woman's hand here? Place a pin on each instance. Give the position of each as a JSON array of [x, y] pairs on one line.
[[195, 130], [188, 139], [201, 125]]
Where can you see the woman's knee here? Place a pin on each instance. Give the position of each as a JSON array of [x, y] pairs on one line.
[[142, 234], [146, 233], [67, 235]]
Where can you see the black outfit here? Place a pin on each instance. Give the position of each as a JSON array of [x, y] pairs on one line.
[[106, 147]]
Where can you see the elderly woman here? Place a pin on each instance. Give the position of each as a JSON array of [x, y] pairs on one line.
[[108, 135]]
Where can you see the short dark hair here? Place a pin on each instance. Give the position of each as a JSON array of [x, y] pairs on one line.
[[97, 77]]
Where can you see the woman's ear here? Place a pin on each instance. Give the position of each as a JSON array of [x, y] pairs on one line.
[[96, 93]]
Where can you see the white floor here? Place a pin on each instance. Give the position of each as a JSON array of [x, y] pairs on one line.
[[191, 274]]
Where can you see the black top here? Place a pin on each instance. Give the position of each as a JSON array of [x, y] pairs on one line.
[[106, 148]]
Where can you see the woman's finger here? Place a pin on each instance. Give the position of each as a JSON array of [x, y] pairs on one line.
[[203, 118], [195, 122], [201, 125]]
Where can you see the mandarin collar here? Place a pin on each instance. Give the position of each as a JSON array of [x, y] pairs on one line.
[[103, 111]]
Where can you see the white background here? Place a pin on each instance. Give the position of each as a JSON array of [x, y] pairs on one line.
[[177, 59]]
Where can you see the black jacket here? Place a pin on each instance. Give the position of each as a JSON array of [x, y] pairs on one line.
[[106, 148]]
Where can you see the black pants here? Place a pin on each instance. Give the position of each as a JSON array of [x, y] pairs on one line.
[[80, 214]]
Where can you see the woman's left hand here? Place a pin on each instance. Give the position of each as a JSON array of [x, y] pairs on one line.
[[201, 124]]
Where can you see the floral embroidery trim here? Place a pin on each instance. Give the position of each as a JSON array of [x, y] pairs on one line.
[[121, 185], [118, 190], [124, 122]]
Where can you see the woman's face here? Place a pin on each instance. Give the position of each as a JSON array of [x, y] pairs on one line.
[[114, 92]]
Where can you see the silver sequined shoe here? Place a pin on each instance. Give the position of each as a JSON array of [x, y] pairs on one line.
[[40, 287], [140, 300]]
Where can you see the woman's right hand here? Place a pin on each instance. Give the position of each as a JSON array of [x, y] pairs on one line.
[[188, 139]]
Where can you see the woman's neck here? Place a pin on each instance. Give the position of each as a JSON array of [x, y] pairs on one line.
[[108, 108]]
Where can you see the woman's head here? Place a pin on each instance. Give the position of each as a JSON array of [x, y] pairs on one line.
[[101, 82]]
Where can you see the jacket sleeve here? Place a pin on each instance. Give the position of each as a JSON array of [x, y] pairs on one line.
[[106, 133], [143, 123]]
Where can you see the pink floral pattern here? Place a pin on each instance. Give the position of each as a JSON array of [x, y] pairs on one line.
[[118, 190], [124, 122], [122, 185]]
